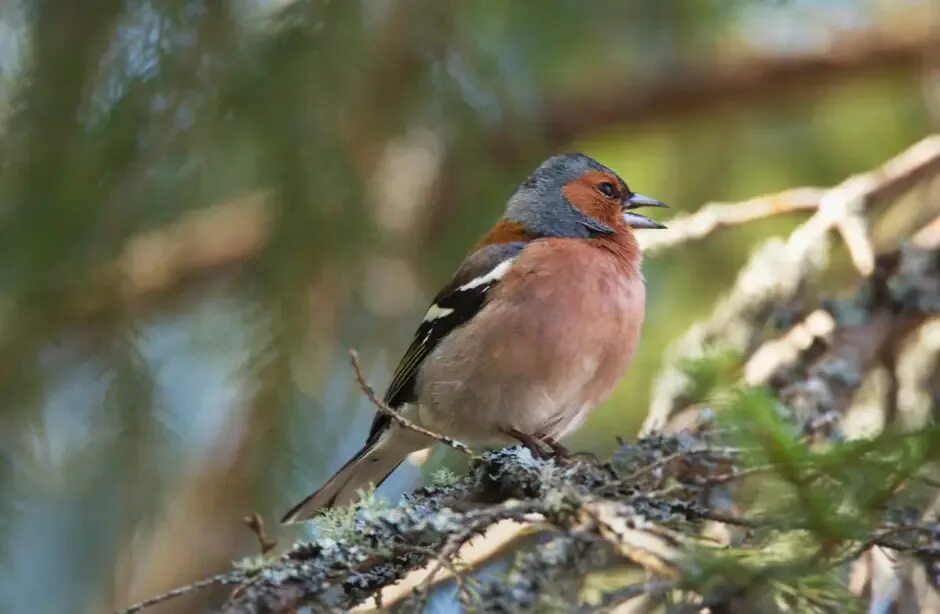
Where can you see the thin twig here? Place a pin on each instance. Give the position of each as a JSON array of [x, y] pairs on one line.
[[882, 540], [716, 216], [778, 270], [717, 480], [443, 560], [614, 598], [928, 236], [396, 416], [723, 453], [451, 548], [256, 524], [228, 578], [657, 464], [929, 481], [494, 540], [747, 523]]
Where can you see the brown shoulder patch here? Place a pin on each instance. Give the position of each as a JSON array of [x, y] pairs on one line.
[[505, 231]]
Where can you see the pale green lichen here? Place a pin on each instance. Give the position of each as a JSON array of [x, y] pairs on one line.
[[251, 564], [445, 477]]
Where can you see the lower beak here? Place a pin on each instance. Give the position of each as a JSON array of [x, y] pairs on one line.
[[635, 220]]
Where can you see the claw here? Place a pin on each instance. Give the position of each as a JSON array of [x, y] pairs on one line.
[[534, 444], [558, 449]]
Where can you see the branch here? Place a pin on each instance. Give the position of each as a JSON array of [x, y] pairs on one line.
[[396, 416], [594, 516], [199, 242], [476, 552], [234, 577], [694, 90], [717, 216], [779, 270], [380, 546], [235, 231], [610, 601]]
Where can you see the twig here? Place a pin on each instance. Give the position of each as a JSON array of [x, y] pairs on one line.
[[929, 481], [748, 523], [717, 216], [199, 241], [778, 270], [928, 236], [882, 540], [635, 538], [309, 574], [227, 578], [855, 234], [717, 480], [396, 416], [657, 464], [685, 91], [256, 524], [495, 539], [734, 475], [451, 548], [443, 560], [776, 353], [614, 598], [716, 452]]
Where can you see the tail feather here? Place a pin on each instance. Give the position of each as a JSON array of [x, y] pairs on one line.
[[371, 465]]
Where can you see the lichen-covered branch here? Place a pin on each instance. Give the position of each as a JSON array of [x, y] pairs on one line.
[[716, 216], [642, 512], [779, 271], [380, 546], [602, 505]]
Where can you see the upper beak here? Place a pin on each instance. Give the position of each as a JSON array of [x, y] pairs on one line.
[[635, 201], [635, 220]]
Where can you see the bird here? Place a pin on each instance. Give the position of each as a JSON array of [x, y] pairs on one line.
[[531, 333]]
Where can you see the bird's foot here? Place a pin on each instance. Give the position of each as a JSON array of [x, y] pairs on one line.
[[534, 444], [558, 450]]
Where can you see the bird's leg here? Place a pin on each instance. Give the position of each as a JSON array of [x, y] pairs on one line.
[[532, 443], [557, 449]]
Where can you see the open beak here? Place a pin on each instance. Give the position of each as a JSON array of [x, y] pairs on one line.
[[635, 220]]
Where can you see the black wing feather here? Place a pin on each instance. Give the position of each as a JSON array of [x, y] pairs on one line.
[[458, 304]]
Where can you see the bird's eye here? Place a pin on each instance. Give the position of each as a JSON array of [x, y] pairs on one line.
[[607, 189]]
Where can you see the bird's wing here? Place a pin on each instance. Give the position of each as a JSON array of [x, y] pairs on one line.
[[456, 304]]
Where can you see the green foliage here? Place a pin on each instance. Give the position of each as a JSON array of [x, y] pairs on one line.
[[835, 490], [776, 572], [339, 523], [811, 504], [711, 372]]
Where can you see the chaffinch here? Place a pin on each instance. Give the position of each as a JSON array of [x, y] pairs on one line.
[[531, 333]]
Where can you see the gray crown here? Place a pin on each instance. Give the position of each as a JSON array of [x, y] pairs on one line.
[[541, 208]]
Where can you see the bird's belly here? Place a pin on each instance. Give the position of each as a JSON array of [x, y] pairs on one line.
[[514, 367]]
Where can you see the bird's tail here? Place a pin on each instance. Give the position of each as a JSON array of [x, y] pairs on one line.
[[371, 465]]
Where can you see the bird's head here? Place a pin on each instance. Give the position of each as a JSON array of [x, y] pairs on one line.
[[573, 195]]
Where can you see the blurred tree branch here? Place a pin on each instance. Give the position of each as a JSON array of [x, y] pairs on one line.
[[742, 82], [233, 232], [778, 270]]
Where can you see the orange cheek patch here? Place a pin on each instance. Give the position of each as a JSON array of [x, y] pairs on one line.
[[582, 194]]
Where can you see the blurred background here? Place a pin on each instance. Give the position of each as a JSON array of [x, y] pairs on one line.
[[203, 204]]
